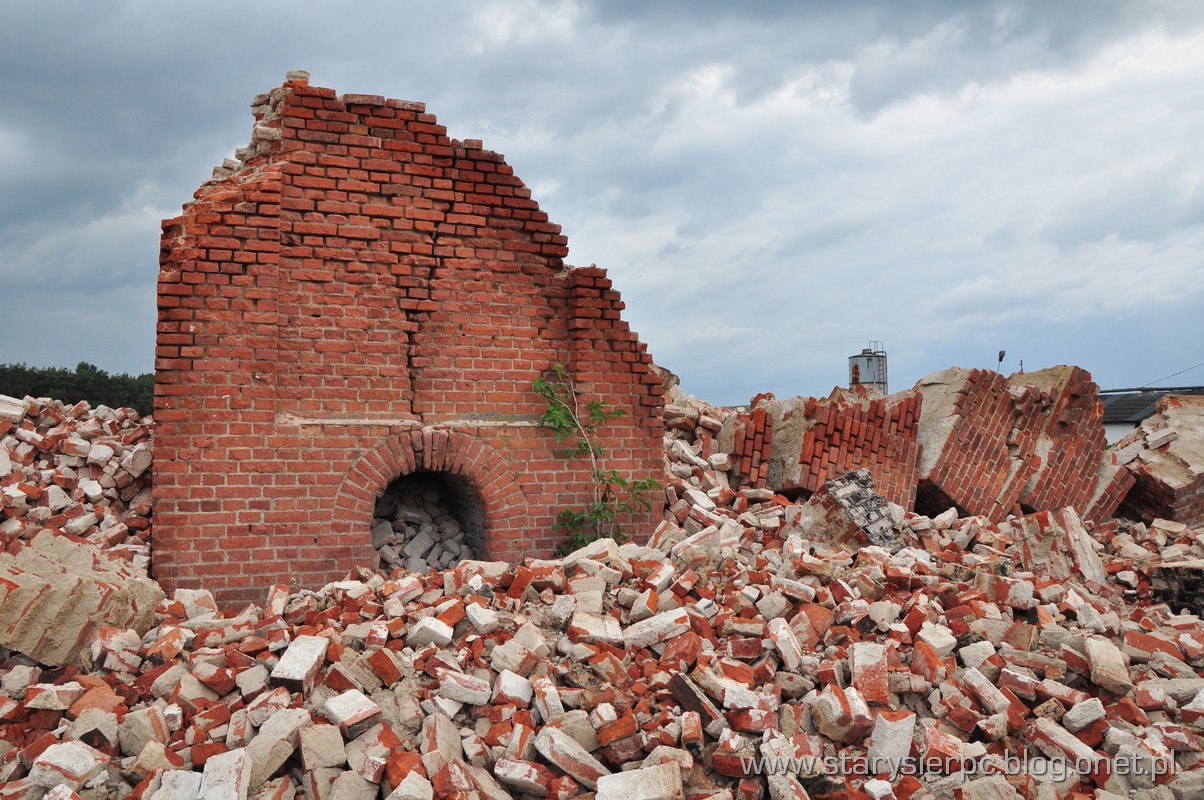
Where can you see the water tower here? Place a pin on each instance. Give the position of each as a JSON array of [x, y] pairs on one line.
[[869, 367]]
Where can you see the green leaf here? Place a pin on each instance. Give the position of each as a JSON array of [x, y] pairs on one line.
[[578, 423]]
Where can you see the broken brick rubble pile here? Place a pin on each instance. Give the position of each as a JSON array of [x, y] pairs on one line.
[[414, 528], [56, 590], [856, 641], [79, 470], [972, 439], [1166, 456], [792, 630]]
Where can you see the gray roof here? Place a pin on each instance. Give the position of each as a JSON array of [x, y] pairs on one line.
[[1137, 405]]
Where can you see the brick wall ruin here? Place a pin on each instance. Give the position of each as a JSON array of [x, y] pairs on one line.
[[967, 439], [357, 299], [795, 446], [1165, 456]]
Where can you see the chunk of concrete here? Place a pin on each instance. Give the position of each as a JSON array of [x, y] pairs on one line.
[[662, 782], [563, 752]]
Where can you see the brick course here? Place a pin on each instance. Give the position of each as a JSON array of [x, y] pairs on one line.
[[998, 446], [802, 443], [358, 298]]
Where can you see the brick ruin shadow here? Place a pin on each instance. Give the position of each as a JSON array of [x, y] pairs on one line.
[[356, 299]]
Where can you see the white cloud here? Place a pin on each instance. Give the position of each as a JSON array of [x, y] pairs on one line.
[[520, 24], [769, 188], [101, 251], [12, 149], [955, 205]]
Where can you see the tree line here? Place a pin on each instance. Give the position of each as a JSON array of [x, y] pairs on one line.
[[88, 382]]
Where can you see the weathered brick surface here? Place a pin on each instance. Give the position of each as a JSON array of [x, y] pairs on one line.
[[803, 443], [1031, 442], [1165, 459], [751, 442], [360, 298], [1064, 429], [969, 411]]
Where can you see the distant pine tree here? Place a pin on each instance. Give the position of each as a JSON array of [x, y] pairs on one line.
[[88, 382]]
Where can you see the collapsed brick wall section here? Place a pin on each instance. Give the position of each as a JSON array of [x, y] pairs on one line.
[[1164, 460], [997, 446], [969, 411], [850, 431], [357, 297], [968, 439], [1112, 485], [798, 445], [1059, 418], [751, 443]]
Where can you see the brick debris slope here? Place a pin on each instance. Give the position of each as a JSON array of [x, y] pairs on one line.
[[833, 645], [81, 471]]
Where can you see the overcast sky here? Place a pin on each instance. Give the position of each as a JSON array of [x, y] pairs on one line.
[[770, 185]]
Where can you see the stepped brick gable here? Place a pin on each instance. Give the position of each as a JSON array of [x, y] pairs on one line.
[[355, 299]]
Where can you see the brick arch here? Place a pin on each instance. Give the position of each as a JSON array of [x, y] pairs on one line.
[[438, 451]]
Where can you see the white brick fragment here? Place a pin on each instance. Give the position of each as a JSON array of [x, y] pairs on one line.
[[68, 763], [429, 630], [300, 663], [938, 637], [413, 787], [510, 687], [1083, 714], [1108, 668], [662, 782], [564, 752], [13, 409], [464, 688], [178, 784], [592, 628], [658, 628], [227, 776], [787, 644], [890, 744], [275, 743], [352, 712], [322, 746], [484, 620]]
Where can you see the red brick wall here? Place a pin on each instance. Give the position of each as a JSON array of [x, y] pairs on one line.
[[979, 468], [1059, 417], [1031, 442], [845, 432], [851, 433], [752, 446], [360, 298]]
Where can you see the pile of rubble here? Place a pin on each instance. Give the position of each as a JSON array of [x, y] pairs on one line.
[[970, 439], [414, 529], [1166, 456], [56, 590], [82, 471], [780, 635], [838, 648]]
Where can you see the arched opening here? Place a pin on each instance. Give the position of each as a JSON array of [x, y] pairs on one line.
[[428, 520], [482, 493]]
